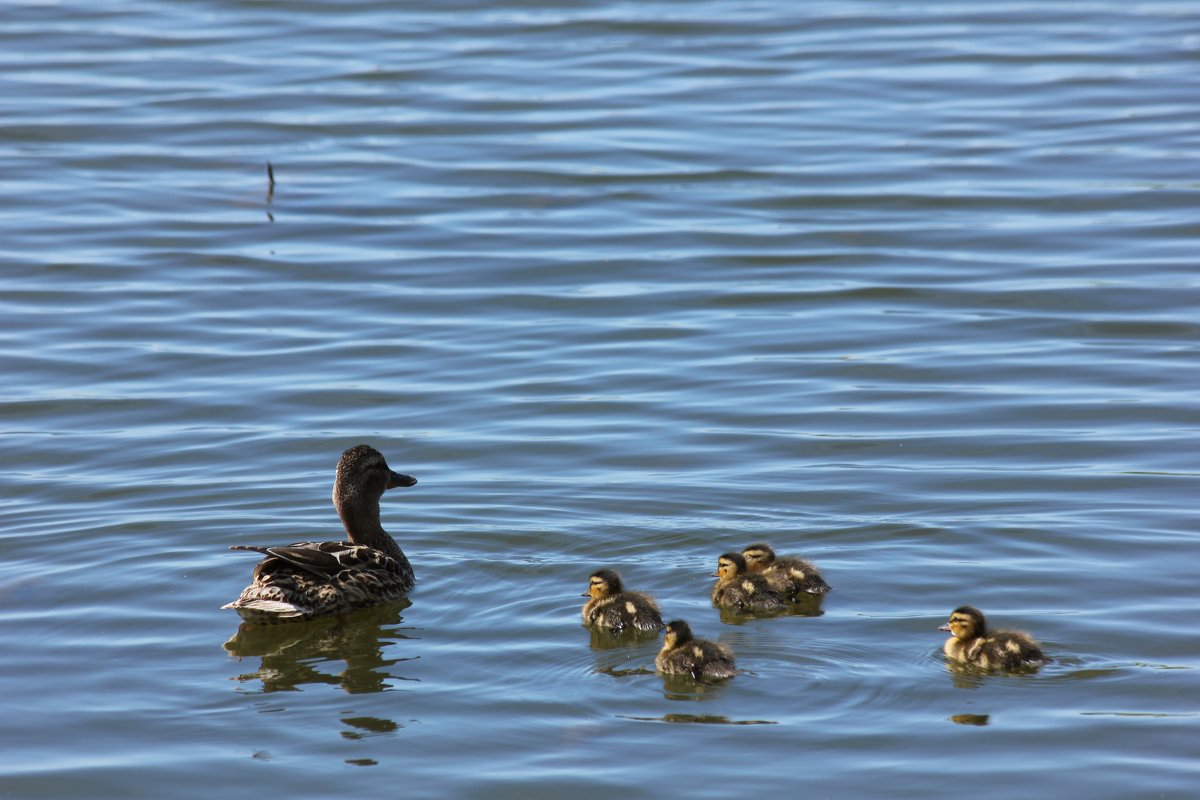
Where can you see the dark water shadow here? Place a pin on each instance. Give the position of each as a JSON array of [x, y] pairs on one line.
[[366, 727], [978, 720], [604, 639], [685, 688], [346, 652], [700, 719], [967, 676], [613, 651], [618, 672], [807, 606]]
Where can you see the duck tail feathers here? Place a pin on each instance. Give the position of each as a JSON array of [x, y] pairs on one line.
[[259, 610]]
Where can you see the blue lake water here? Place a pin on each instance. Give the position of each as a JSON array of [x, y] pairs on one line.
[[908, 289]]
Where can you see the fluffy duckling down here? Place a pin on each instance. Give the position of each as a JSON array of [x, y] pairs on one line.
[[738, 588], [614, 608], [682, 654], [305, 580], [790, 576], [972, 643]]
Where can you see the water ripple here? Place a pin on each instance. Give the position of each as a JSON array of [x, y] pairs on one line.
[[906, 289]]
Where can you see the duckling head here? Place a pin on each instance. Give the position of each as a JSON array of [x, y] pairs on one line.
[[758, 557], [678, 634], [363, 476], [603, 583], [729, 566], [966, 622]]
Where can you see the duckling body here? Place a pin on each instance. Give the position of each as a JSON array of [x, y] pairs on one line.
[[790, 576], [972, 643], [306, 580], [701, 659], [614, 608], [737, 587]]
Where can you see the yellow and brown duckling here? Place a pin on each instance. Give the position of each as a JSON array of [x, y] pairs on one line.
[[614, 608], [736, 587], [972, 643], [306, 580], [682, 654], [790, 576]]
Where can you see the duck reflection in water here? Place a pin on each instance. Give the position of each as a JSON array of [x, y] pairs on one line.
[[803, 607], [346, 652], [686, 688], [601, 639]]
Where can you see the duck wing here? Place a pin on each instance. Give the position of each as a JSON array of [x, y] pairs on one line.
[[324, 559]]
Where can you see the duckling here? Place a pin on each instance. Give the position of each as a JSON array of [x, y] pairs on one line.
[[306, 580], [788, 575], [701, 659], [737, 587], [612, 607], [974, 644]]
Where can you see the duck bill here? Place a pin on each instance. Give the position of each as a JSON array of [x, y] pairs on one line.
[[401, 480], [945, 627]]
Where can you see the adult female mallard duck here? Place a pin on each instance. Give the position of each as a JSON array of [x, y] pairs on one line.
[[614, 608], [738, 588], [792, 577], [701, 659], [972, 643], [306, 580]]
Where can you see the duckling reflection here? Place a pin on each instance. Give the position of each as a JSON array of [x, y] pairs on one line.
[[701, 719], [615, 609], [792, 577], [700, 659], [606, 639], [978, 720], [738, 588], [974, 644], [295, 655], [366, 727]]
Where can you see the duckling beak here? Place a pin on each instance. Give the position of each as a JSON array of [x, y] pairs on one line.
[[586, 594], [945, 627], [400, 480], [714, 575]]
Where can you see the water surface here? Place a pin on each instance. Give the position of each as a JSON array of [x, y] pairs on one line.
[[907, 289]]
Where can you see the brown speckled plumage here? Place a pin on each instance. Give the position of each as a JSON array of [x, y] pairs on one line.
[[611, 607], [306, 580], [699, 658], [972, 643], [738, 588], [790, 576]]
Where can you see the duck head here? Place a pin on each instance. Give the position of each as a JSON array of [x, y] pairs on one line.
[[966, 622], [361, 479], [758, 557], [678, 634], [729, 566], [603, 583]]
